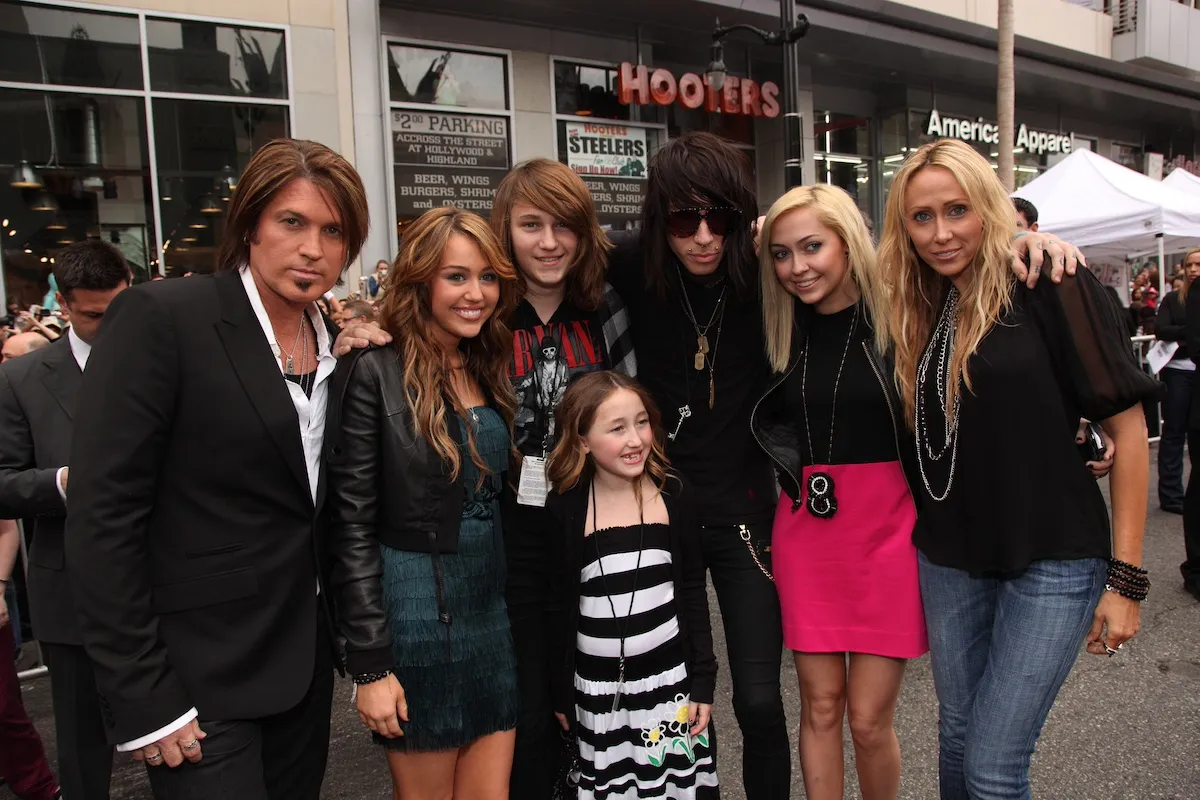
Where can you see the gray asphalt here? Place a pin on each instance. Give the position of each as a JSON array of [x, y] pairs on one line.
[[1126, 728]]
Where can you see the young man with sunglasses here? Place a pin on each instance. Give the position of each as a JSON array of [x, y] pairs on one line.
[[690, 286]]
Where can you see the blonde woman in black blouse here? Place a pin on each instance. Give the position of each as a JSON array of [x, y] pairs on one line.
[[1013, 574]]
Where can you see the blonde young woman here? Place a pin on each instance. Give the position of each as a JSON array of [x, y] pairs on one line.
[[416, 471], [1013, 574], [844, 563]]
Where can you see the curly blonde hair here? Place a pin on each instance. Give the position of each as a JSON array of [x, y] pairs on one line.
[[918, 291], [406, 313]]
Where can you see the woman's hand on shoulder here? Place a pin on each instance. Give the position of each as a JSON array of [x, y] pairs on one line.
[[1045, 251], [358, 335], [382, 706]]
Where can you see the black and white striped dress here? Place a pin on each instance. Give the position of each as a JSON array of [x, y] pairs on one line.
[[643, 749]]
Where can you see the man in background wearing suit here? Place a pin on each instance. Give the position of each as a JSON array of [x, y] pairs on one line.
[[37, 406], [195, 533]]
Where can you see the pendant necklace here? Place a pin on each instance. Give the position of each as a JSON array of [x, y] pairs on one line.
[[624, 625], [289, 364], [941, 342], [822, 502], [705, 356]]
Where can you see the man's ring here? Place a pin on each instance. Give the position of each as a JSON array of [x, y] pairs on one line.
[[154, 757], [192, 745]]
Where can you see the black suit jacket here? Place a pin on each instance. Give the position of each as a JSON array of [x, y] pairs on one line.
[[1191, 340], [37, 401], [192, 535]]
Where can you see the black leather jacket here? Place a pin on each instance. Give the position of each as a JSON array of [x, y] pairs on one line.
[[773, 424], [386, 486]]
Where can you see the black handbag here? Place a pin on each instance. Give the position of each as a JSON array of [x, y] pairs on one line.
[[566, 782]]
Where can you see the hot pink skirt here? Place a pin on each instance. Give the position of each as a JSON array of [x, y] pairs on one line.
[[849, 583]]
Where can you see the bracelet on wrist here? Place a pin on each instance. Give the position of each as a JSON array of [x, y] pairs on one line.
[[370, 677], [1127, 580]]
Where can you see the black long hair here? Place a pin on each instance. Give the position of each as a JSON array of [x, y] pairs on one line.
[[700, 169]]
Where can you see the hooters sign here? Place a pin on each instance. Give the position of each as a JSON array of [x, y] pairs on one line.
[[641, 86]]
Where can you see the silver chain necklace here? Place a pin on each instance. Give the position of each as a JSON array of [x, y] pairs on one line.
[[822, 503], [942, 343]]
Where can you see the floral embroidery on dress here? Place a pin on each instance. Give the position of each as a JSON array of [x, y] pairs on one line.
[[671, 735]]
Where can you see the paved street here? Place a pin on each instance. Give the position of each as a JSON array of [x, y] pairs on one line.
[[1126, 728]]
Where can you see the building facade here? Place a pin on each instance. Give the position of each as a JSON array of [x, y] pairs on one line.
[[133, 122]]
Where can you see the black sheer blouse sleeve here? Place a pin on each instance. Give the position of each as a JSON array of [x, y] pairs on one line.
[[1092, 355]]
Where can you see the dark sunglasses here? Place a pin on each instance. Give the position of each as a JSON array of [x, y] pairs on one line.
[[684, 222]]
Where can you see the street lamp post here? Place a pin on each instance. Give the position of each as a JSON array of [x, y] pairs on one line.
[[792, 29]]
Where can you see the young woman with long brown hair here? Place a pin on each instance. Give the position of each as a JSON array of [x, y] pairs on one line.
[[633, 662], [415, 476], [1013, 573]]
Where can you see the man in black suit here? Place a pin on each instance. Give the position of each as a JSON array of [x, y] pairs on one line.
[[37, 405], [194, 529]]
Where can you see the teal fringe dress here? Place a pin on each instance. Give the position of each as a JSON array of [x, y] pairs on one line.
[[460, 680]]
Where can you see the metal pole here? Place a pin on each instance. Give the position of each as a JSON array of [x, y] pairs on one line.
[[793, 136], [1162, 269]]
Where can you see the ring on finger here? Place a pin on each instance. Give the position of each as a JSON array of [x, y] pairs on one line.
[[154, 757], [1112, 651], [192, 745]]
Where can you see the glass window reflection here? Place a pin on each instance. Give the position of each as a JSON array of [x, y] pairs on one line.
[[205, 58], [437, 76], [66, 46], [587, 91], [202, 148], [88, 156]]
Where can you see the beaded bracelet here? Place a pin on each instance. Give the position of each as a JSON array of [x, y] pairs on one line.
[[1127, 580], [370, 677]]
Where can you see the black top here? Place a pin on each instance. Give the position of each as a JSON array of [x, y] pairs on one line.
[[306, 382], [1021, 491], [569, 512], [714, 449], [863, 432], [546, 358], [1171, 324]]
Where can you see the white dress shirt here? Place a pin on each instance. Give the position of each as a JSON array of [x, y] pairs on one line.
[[80, 350], [310, 412]]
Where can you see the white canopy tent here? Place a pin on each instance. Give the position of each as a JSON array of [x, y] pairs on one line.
[[1184, 181], [1111, 211]]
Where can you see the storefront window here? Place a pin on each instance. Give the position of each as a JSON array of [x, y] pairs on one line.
[[202, 148], [94, 169], [203, 58], [442, 157], [85, 157], [597, 139], [69, 47], [587, 91], [442, 77], [1128, 155], [844, 156]]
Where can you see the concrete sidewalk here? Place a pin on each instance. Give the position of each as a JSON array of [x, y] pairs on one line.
[[1126, 728]]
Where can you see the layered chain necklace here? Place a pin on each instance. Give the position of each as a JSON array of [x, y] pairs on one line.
[[821, 502], [941, 346], [706, 354], [307, 379], [623, 623]]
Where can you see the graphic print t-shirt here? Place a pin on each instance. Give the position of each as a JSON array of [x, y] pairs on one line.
[[546, 358]]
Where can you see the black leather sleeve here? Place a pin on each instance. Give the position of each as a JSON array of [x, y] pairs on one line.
[[693, 604], [355, 471]]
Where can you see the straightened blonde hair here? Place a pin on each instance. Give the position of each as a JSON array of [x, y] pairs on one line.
[[405, 312], [568, 463], [836, 210], [918, 291]]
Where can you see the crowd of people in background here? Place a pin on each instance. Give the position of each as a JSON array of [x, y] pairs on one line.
[[490, 485]]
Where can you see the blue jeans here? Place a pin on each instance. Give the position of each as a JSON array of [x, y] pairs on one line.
[[1001, 649]]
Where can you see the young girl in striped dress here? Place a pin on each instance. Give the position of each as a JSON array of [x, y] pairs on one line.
[[633, 669]]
